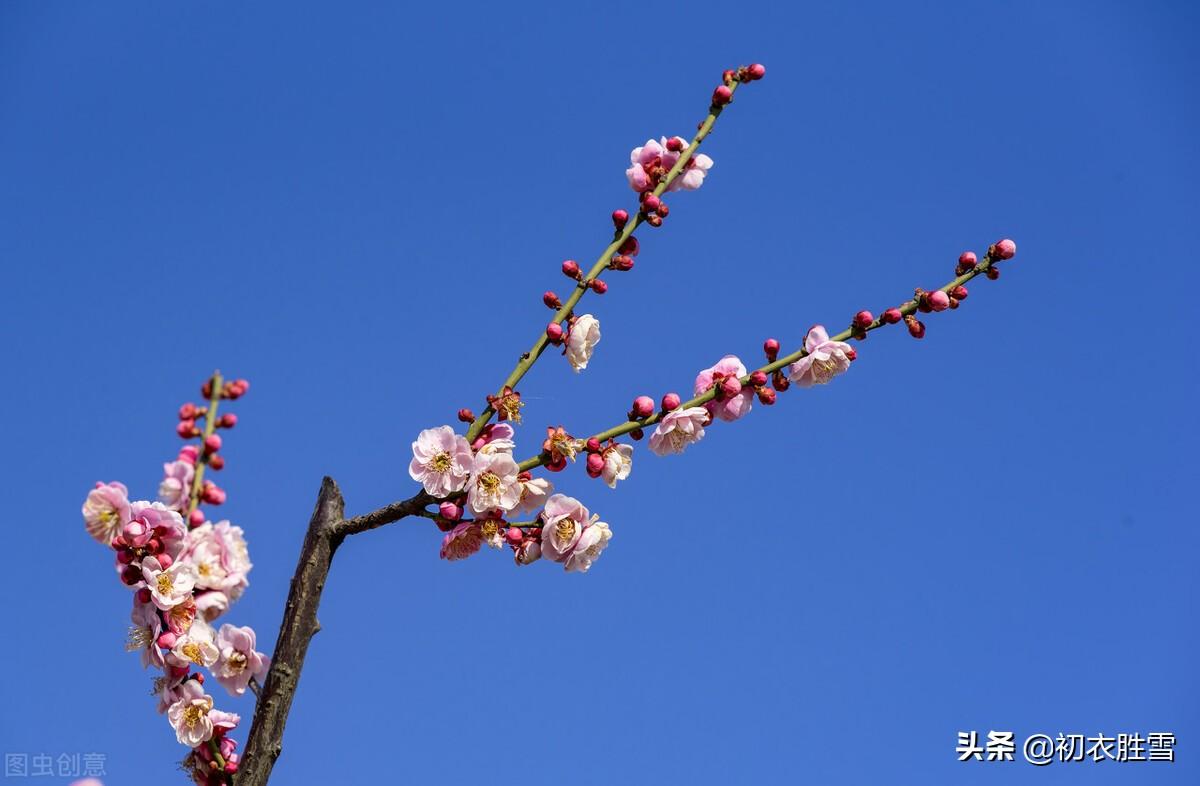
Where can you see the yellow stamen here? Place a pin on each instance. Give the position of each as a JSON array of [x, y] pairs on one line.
[[441, 462], [191, 651], [165, 585]]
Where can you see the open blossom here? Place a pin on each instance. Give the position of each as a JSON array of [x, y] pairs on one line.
[[154, 519], [189, 715], [496, 438], [106, 510], [197, 647], [462, 541], [491, 529], [618, 463], [238, 660], [441, 461], [653, 160], [211, 604], [730, 408], [219, 554], [824, 361], [534, 493], [494, 484], [678, 429], [560, 445], [143, 634], [582, 341], [168, 587], [570, 535], [180, 617], [176, 487]]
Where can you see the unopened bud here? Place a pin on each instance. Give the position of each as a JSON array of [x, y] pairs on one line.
[[551, 300], [643, 407], [570, 269]]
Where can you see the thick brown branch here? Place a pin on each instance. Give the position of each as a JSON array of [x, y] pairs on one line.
[[326, 530]]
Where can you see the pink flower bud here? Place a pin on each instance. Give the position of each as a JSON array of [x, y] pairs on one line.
[[863, 319], [189, 453], [593, 445], [650, 203], [216, 462], [756, 71], [663, 211], [959, 292], [722, 96], [916, 328], [731, 386], [165, 560], [570, 269], [212, 443], [450, 511], [551, 300], [595, 464], [643, 406], [622, 262], [630, 247], [514, 535], [938, 300], [124, 556], [892, 316], [766, 396], [674, 144], [196, 517], [599, 287], [620, 218], [228, 420], [554, 332], [466, 415], [654, 219], [1005, 249], [213, 495], [167, 639], [186, 429], [967, 260], [187, 411], [671, 401], [758, 378], [771, 348]]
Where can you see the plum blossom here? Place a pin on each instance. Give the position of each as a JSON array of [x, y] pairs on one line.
[[492, 531], [176, 487], [730, 408], [195, 647], [582, 341], [154, 519], [496, 438], [224, 722], [494, 484], [143, 634], [650, 162], [618, 463], [570, 535], [219, 554], [441, 461], [238, 660], [211, 604], [824, 361], [529, 552], [189, 715], [462, 541], [169, 587], [678, 429], [106, 510], [534, 493], [180, 617]]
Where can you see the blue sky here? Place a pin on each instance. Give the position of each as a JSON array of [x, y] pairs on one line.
[[358, 207]]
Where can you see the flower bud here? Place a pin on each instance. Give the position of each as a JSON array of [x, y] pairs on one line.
[[165, 560], [916, 328], [959, 292], [756, 71], [450, 511], [771, 348], [650, 203], [622, 262], [124, 556], [654, 220], [570, 269], [592, 445], [557, 465], [674, 144], [212, 494], [766, 396], [514, 535], [993, 273], [620, 218], [780, 382], [1005, 249], [144, 595], [189, 453], [186, 429], [554, 332], [167, 639], [731, 386], [187, 411], [722, 96], [670, 401], [598, 286], [466, 415], [630, 247], [228, 420], [938, 300], [892, 316], [212, 443], [863, 319], [196, 517], [643, 407], [595, 464], [551, 300], [131, 574], [758, 378], [967, 260], [637, 434]]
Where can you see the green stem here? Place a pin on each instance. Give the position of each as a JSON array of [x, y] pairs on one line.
[[907, 308], [210, 425], [529, 358]]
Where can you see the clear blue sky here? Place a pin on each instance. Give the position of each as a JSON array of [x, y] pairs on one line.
[[359, 207]]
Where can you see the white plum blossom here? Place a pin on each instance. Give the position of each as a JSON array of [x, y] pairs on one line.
[[618, 463], [494, 484], [441, 461], [176, 487], [582, 341], [143, 634], [534, 493], [197, 646], [238, 660], [678, 429], [570, 535], [106, 510], [189, 714], [169, 587]]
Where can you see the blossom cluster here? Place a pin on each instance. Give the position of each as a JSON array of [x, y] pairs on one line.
[[185, 571]]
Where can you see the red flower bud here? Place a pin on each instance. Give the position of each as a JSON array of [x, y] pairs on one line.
[[766, 396], [630, 246], [967, 260], [216, 462], [228, 420], [731, 386], [598, 286], [722, 96], [650, 203], [1004, 249], [620, 218], [186, 429], [187, 411], [593, 445], [756, 71], [466, 415], [893, 315], [643, 407], [675, 144], [554, 332], [551, 300], [570, 269], [938, 300], [595, 464], [212, 443], [771, 348], [758, 378], [670, 401], [196, 517], [959, 292], [863, 319]]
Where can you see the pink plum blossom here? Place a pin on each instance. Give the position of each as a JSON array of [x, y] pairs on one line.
[[224, 722], [494, 484], [238, 660], [211, 604], [143, 634], [441, 461], [570, 535], [655, 155], [824, 361], [163, 523], [528, 552], [189, 715], [106, 510], [678, 429], [180, 617], [733, 407], [585, 335], [496, 438], [534, 493], [618, 463], [168, 587], [197, 646], [219, 554], [176, 487], [462, 541]]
